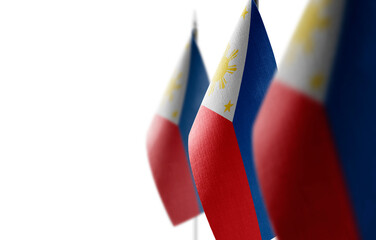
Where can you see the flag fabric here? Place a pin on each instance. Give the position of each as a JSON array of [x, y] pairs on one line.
[[315, 135], [220, 140], [167, 140]]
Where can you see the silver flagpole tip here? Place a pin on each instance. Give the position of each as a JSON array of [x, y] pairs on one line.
[[257, 3], [194, 30]]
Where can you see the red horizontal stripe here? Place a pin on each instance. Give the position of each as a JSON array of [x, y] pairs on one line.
[[170, 170], [221, 178], [298, 169]]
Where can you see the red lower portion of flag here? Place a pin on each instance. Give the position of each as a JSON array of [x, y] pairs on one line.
[[299, 170], [220, 177], [170, 170]]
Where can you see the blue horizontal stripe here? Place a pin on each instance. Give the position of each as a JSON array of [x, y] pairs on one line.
[[197, 84], [351, 106], [258, 71]]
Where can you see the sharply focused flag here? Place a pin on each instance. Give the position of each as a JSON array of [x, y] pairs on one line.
[[167, 141], [220, 139], [315, 135]]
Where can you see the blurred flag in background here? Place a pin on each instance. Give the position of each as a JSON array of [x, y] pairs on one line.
[[220, 140], [315, 136], [167, 140]]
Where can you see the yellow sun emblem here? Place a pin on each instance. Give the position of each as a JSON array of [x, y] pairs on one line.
[[173, 86], [223, 68], [312, 20]]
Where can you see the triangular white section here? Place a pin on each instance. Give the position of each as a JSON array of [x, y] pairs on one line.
[[309, 59], [222, 94], [173, 98]]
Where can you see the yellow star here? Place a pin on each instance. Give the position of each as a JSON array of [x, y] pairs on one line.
[[244, 12], [175, 114], [317, 81], [228, 106]]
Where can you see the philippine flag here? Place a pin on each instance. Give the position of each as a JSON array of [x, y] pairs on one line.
[[220, 140], [167, 141], [315, 135]]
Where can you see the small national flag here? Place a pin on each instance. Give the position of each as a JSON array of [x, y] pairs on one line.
[[167, 141], [220, 140], [315, 135]]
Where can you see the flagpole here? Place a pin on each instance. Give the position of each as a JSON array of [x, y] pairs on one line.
[[194, 32], [195, 229]]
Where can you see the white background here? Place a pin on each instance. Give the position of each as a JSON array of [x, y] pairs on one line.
[[79, 84]]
